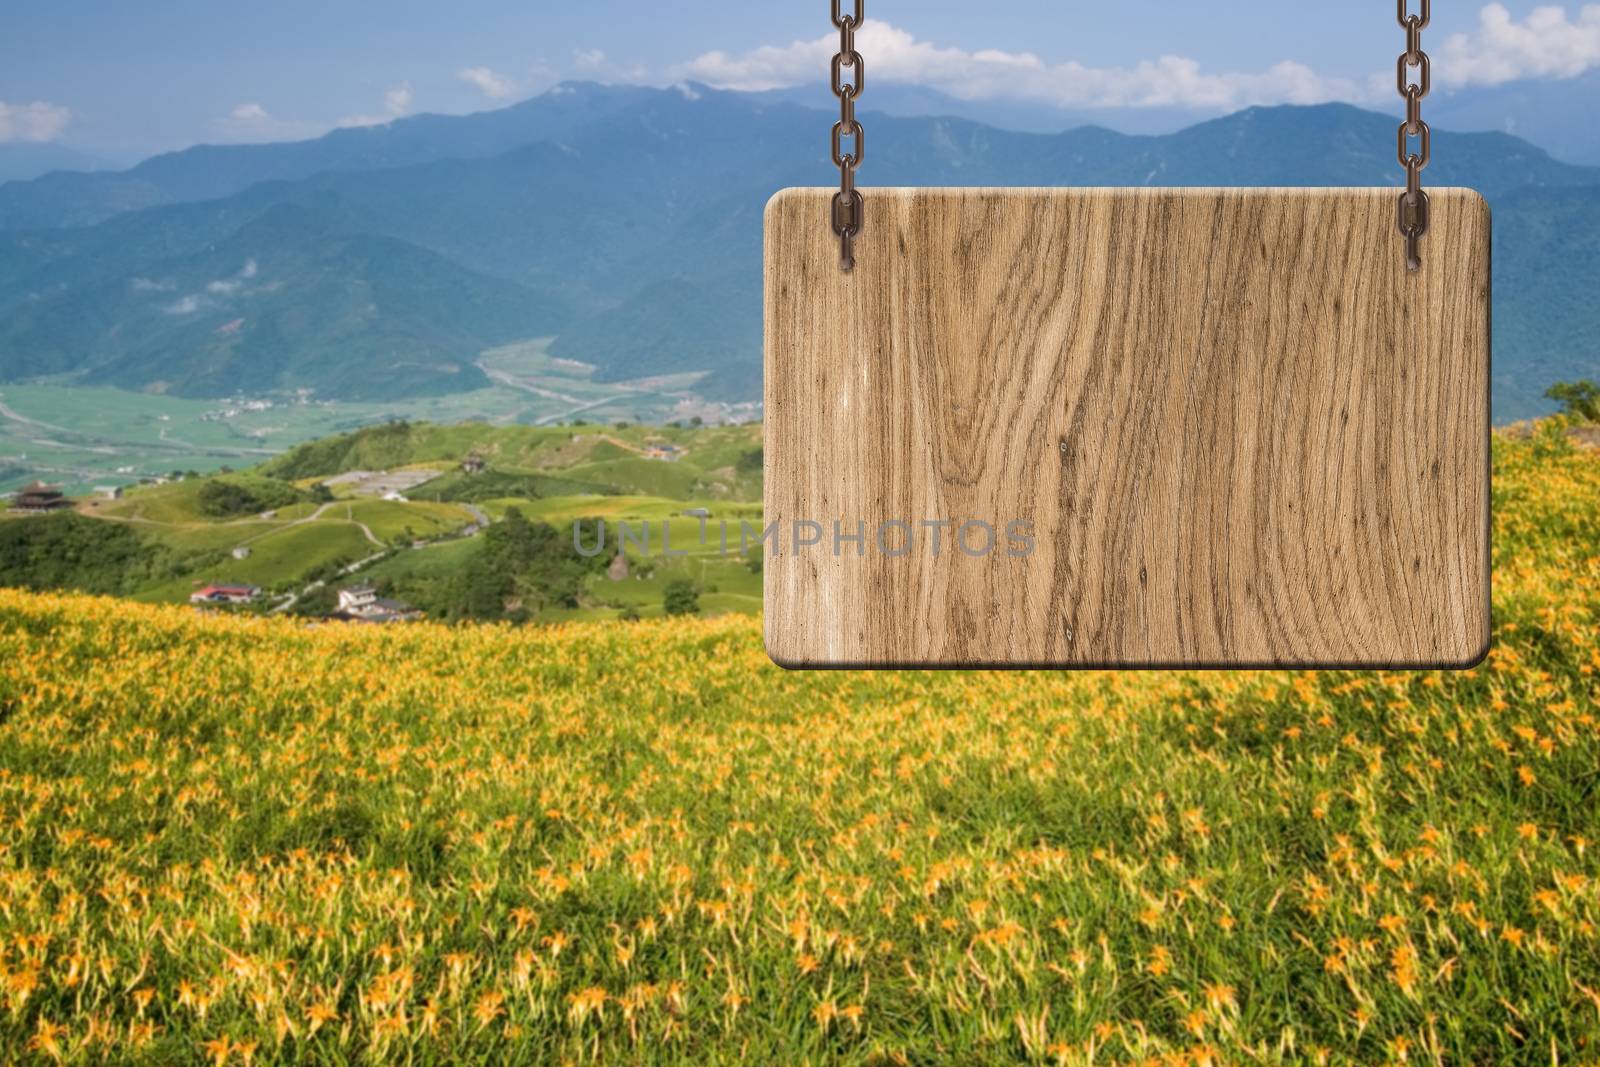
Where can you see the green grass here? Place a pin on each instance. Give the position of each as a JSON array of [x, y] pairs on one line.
[[260, 840], [391, 520], [279, 560], [738, 590]]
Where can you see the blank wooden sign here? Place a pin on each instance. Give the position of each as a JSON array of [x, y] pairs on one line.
[[1130, 427]]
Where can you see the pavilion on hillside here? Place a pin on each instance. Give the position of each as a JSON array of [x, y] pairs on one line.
[[38, 498]]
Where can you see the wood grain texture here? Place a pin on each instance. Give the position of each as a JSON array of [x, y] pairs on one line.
[[1241, 432]]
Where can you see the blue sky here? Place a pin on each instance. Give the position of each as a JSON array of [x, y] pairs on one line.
[[129, 79]]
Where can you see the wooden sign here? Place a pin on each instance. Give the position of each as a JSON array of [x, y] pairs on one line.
[[1127, 427]]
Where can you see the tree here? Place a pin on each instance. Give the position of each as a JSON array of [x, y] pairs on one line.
[[682, 598], [69, 551], [521, 562], [1580, 398]]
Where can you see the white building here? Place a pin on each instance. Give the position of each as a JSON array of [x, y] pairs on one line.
[[362, 602], [358, 599]]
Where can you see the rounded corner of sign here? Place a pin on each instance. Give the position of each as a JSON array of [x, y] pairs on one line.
[[1475, 197], [777, 200], [1469, 658], [780, 655], [775, 645], [1473, 658], [1478, 203]]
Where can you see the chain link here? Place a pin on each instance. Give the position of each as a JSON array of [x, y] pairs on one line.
[[849, 210], [1413, 209]]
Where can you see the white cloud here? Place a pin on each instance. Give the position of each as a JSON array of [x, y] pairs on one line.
[[398, 99], [895, 55], [486, 81], [396, 104], [595, 65], [253, 123], [229, 286], [1546, 44], [187, 306], [36, 122]]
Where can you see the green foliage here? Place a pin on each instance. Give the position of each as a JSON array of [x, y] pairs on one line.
[[503, 485], [524, 567], [1580, 399], [682, 598], [389, 444], [69, 551], [227, 498]]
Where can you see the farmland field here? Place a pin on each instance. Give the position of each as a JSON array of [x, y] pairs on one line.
[[246, 840], [81, 437]]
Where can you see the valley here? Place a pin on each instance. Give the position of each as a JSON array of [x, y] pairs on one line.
[[87, 437], [376, 268]]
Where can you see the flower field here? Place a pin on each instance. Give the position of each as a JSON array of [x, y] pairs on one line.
[[242, 841]]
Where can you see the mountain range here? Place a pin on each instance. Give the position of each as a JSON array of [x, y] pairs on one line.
[[1554, 114], [626, 223]]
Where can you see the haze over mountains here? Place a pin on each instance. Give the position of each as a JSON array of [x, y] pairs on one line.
[[626, 222]]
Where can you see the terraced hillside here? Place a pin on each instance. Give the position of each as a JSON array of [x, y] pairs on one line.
[[317, 517]]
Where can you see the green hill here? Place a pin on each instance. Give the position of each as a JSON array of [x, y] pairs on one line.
[[280, 528], [552, 460], [285, 303]]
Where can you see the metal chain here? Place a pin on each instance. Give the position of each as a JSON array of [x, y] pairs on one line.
[[849, 210], [1413, 208]]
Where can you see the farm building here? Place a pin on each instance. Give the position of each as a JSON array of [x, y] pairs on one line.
[[225, 594], [361, 603]]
